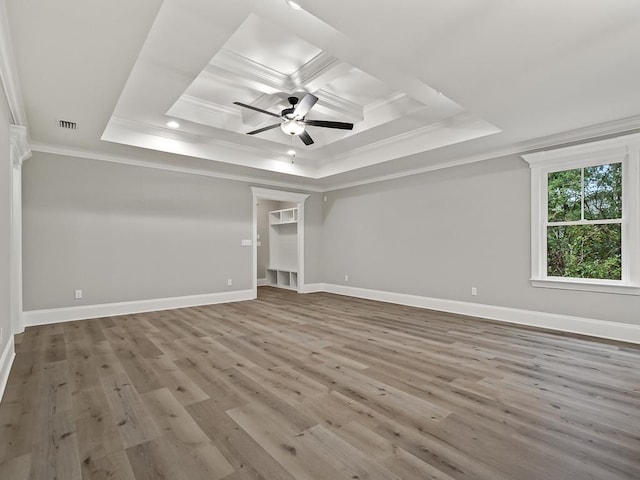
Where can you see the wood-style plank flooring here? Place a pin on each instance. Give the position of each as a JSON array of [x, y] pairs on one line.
[[317, 386]]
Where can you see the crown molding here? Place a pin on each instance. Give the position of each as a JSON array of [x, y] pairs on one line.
[[9, 70], [435, 135], [138, 162], [209, 107], [245, 71], [344, 108], [322, 65], [610, 146], [20, 150], [386, 102], [622, 127]]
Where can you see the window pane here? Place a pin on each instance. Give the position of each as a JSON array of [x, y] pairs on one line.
[[565, 195], [585, 251], [603, 191]]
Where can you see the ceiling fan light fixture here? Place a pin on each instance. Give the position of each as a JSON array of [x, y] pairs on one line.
[[292, 127], [294, 5]]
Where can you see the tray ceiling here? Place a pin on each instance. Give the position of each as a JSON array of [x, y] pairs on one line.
[[261, 61], [427, 84]]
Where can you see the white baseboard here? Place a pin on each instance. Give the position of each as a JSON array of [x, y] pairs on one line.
[[6, 360], [262, 282], [56, 315], [313, 288], [623, 332], [584, 326]]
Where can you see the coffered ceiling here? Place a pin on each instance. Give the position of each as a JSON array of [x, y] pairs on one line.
[[426, 84]]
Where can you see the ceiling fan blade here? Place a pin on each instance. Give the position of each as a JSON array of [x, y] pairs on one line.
[[256, 109], [306, 138], [264, 129], [306, 104], [328, 124]]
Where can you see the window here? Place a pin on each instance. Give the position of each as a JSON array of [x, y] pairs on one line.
[[586, 216]]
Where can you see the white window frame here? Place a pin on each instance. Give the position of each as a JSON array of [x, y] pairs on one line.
[[625, 150]]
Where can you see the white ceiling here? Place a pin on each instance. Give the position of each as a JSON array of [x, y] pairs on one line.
[[426, 83]]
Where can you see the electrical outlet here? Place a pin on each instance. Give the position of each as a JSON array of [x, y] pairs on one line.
[[474, 291], [325, 198], [78, 294], [229, 282], [346, 278]]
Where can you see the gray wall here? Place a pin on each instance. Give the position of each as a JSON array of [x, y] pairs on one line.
[[440, 233], [313, 226], [123, 233], [5, 222]]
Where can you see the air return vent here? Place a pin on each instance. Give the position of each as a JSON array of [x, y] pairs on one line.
[[67, 124]]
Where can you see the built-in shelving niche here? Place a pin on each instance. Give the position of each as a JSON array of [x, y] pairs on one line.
[[283, 249]]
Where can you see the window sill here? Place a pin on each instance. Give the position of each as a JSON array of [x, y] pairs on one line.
[[586, 285]]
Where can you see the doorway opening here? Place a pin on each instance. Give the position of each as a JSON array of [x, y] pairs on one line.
[[278, 231]]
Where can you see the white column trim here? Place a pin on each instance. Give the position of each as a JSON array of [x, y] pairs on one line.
[[19, 152], [6, 361]]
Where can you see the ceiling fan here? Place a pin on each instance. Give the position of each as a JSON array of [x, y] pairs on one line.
[[293, 120]]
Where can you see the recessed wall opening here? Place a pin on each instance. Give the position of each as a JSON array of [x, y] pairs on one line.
[[278, 239]]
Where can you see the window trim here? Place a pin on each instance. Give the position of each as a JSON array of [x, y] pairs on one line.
[[625, 150]]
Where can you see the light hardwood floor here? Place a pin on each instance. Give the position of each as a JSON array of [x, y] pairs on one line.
[[317, 386]]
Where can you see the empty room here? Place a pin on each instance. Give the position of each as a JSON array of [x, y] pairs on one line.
[[308, 240]]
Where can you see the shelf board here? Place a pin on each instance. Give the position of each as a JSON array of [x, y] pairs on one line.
[[283, 270], [284, 223]]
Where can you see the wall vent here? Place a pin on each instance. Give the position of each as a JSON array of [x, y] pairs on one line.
[[68, 125]]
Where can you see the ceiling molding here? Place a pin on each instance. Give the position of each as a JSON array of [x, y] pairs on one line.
[[395, 97], [623, 127], [169, 133], [336, 104], [209, 107], [610, 147], [248, 72], [319, 66], [137, 162], [407, 136], [253, 118], [9, 71], [151, 137], [20, 150], [592, 133]]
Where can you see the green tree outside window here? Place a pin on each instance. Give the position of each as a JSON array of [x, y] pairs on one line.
[[584, 227]]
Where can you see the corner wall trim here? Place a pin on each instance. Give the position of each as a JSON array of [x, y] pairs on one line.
[[623, 332], [6, 360], [57, 315]]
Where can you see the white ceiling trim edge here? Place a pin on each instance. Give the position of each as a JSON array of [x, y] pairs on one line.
[[9, 71], [622, 126], [207, 107], [626, 126], [131, 160]]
